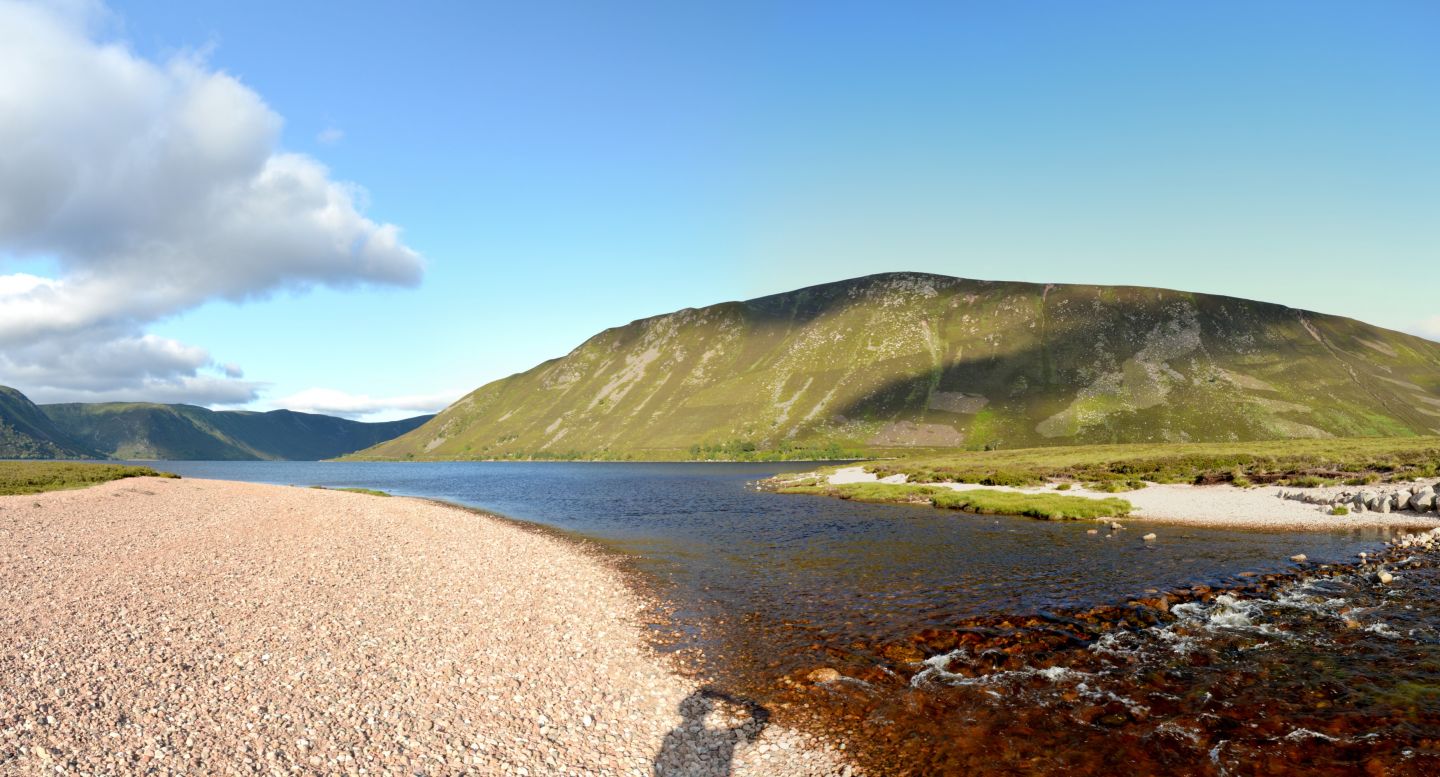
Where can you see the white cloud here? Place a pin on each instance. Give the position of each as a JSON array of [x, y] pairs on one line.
[[330, 136], [104, 366], [333, 402], [153, 188], [1429, 328]]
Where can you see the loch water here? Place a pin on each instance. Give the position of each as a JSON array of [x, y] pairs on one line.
[[1315, 674]]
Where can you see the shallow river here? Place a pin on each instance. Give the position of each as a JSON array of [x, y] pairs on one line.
[[770, 587]]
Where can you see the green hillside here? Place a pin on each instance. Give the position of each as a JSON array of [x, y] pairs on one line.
[[26, 433], [909, 360], [137, 430]]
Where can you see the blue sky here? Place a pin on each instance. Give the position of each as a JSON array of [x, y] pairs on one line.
[[565, 167]]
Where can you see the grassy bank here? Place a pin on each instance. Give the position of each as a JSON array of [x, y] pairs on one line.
[[1303, 463], [1051, 507], [33, 477]]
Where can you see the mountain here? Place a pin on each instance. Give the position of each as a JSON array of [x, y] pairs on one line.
[[907, 360], [26, 433], [138, 430]]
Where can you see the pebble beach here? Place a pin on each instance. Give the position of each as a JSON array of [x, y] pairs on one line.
[[156, 626]]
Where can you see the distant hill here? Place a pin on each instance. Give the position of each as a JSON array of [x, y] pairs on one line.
[[26, 432], [906, 360], [137, 430]]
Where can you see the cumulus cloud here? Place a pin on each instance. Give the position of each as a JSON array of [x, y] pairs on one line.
[[115, 365], [333, 402], [153, 188]]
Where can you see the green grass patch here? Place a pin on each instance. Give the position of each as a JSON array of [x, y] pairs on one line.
[[34, 477], [1052, 507], [370, 491], [1116, 485]]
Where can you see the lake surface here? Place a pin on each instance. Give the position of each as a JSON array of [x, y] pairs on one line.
[[770, 586]]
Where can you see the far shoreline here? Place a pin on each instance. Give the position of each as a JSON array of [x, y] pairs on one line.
[[1218, 506]]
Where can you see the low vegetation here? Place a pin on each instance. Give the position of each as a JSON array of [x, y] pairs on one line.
[[1052, 507], [1303, 463], [33, 477], [370, 491]]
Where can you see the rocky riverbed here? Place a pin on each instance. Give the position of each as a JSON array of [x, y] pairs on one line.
[[189, 626]]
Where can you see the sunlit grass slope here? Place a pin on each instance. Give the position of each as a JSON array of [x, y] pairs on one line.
[[902, 361]]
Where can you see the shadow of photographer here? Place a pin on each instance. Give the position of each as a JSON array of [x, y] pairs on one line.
[[697, 747]]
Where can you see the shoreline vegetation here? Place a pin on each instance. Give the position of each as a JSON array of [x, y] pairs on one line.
[[1304, 484], [1299, 462], [1295, 463], [737, 451], [352, 490], [1051, 507], [36, 477]]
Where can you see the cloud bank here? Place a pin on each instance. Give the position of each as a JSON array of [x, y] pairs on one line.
[[152, 188], [332, 402]]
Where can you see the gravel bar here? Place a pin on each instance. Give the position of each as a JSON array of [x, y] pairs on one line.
[[157, 626]]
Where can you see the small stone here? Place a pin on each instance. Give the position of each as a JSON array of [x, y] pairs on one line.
[[1384, 577], [1149, 537], [823, 675], [1298, 558]]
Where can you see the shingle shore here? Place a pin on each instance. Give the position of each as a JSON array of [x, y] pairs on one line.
[[155, 626]]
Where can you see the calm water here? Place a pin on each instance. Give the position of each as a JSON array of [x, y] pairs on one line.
[[771, 586]]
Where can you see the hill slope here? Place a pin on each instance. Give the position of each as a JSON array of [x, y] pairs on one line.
[[26, 433], [906, 359], [137, 430]]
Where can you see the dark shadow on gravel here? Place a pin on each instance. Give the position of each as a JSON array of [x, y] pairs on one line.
[[700, 742]]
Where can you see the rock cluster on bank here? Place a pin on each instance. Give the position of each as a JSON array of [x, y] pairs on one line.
[[1417, 498]]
